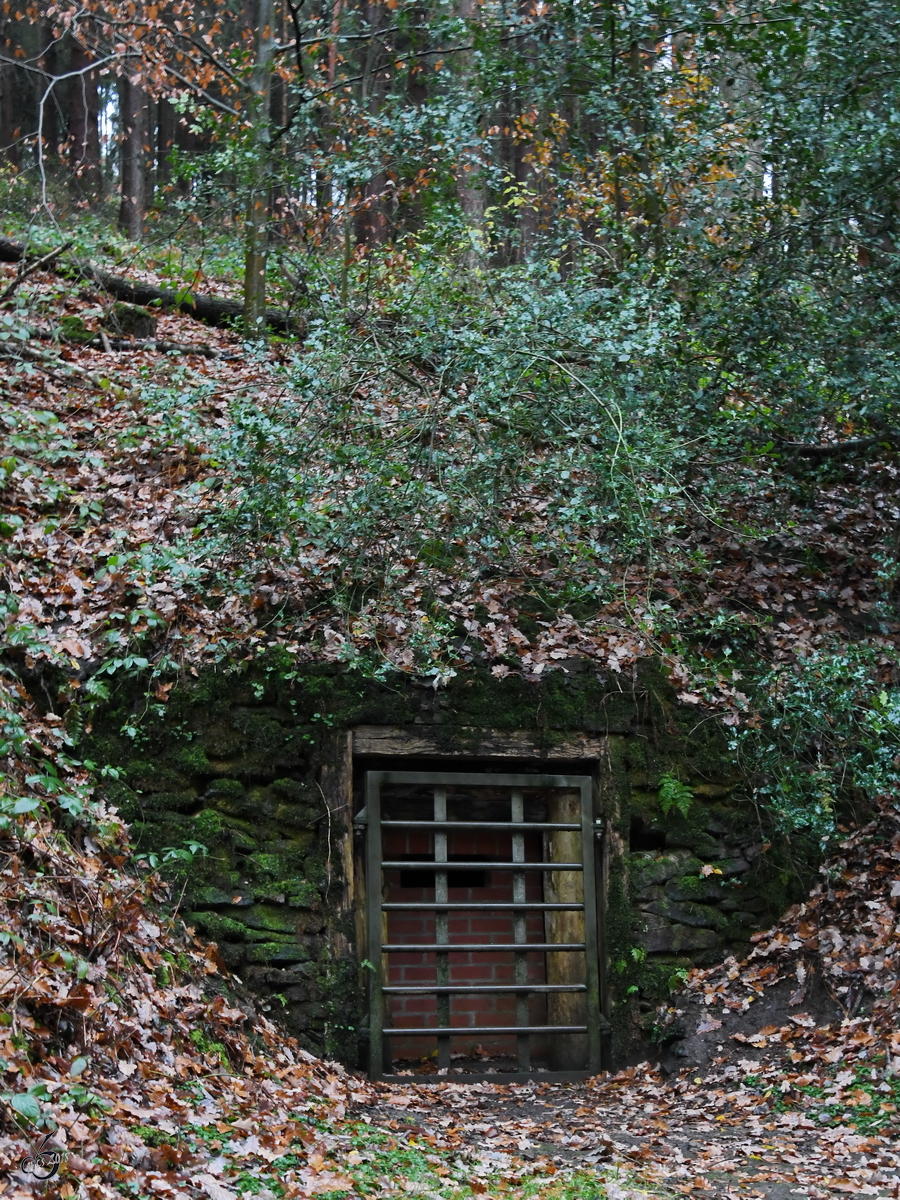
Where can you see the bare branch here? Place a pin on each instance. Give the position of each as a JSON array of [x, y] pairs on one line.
[[35, 266]]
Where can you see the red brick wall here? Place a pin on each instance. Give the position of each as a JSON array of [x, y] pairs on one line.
[[485, 925]]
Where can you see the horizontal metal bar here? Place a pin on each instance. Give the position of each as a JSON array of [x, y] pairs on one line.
[[462, 990], [513, 826], [481, 866], [453, 947], [463, 779], [481, 1030], [461, 906]]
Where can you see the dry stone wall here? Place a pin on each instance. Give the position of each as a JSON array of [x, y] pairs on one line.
[[236, 761]]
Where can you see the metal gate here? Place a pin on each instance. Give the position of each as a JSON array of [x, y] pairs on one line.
[[541, 835]]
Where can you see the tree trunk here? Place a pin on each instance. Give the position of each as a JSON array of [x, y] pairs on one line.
[[84, 126], [370, 222], [51, 124], [527, 176], [24, 39], [470, 185], [134, 120], [258, 198], [9, 125], [165, 142]]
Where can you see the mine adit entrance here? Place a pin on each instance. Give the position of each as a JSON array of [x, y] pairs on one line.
[[482, 915]]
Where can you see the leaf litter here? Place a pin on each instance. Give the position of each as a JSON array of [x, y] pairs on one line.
[[124, 1037], [110, 491]]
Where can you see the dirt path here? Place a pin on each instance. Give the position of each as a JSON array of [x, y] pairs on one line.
[[616, 1125]]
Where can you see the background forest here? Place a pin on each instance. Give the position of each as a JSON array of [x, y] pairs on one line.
[[447, 342], [574, 331]]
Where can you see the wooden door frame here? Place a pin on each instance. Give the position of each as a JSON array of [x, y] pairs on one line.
[[350, 751]]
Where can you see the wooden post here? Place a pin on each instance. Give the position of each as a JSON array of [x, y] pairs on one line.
[[568, 1052]]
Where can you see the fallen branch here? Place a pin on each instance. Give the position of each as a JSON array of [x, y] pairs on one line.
[[836, 449], [109, 344], [35, 266], [212, 309], [49, 363], [175, 347]]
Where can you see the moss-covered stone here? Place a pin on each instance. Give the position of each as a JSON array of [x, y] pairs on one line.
[[647, 869], [276, 952], [154, 775], [168, 802], [662, 936], [695, 887], [269, 916], [73, 329], [235, 762], [131, 320], [209, 825], [223, 927], [213, 896], [688, 913]]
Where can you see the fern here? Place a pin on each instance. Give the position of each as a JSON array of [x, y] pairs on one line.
[[674, 794]]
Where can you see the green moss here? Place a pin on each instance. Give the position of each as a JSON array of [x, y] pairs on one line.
[[230, 788], [193, 758], [303, 894], [73, 329], [168, 802], [148, 775], [267, 865], [153, 1137], [207, 1046], [221, 927], [688, 912], [212, 896], [646, 869], [270, 917], [696, 887], [277, 953], [209, 826], [131, 320]]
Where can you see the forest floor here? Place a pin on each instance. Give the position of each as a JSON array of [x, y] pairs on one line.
[[635, 1125]]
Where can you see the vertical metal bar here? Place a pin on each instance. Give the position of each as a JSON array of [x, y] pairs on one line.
[[601, 868], [523, 1042], [441, 928], [376, 935], [592, 959]]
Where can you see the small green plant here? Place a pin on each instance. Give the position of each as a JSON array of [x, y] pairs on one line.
[[152, 1137], [678, 977], [206, 1045], [169, 854], [674, 794], [26, 1104]]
